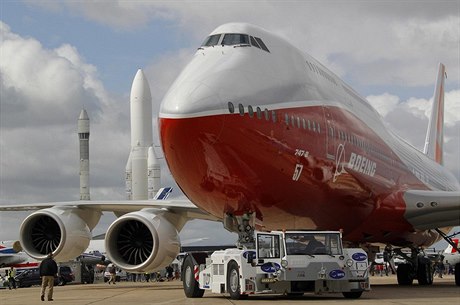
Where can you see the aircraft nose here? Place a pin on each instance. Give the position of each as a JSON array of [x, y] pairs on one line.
[[191, 122], [190, 99]]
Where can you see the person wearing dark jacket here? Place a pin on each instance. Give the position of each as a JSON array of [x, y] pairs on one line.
[[48, 270]]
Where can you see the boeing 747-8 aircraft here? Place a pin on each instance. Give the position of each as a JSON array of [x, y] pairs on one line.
[[259, 134]]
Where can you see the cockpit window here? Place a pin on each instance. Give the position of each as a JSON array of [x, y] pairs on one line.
[[233, 39], [254, 42], [262, 44], [211, 40]]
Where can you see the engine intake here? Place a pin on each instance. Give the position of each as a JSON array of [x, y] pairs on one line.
[[142, 241], [64, 231]]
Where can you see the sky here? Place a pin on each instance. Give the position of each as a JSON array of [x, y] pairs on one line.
[[57, 57]]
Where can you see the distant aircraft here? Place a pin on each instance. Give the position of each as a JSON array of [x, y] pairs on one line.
[[259, 134], [451, 255], [11, 255]]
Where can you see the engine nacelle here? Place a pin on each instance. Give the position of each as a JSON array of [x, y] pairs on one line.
[[143, 241], [64, 231]]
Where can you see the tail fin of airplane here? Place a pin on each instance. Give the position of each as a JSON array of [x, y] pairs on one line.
[[163, 193], [451, 249], [435, 133]]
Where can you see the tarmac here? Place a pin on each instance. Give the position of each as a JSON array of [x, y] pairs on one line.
[[384, 291]]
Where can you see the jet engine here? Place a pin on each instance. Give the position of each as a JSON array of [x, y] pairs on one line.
[[64, 231], [143, 241]]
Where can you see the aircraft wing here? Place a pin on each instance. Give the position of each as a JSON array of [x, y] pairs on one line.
[[432, 209], [8, 259], [183, 207]]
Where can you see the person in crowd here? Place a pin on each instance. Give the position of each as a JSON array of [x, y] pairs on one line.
[[11, 281]]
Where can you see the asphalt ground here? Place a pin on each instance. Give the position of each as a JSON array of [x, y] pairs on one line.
[[384, 291]]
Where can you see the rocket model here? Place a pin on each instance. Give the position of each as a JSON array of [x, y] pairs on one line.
[[142, 168], [83, 136]]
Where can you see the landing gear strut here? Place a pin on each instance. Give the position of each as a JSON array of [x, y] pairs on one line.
[[244, 225]]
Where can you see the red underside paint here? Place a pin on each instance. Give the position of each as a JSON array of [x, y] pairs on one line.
[[236, 164]]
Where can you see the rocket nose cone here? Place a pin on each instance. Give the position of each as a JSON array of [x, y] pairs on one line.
[[140, 88], [83, 115], [83, 122]]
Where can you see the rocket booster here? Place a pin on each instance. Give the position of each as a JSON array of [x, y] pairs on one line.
[[83, 136], [154, 173], [142, 161], [141, 112]]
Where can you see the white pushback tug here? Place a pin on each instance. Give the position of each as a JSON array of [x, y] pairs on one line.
[[291, 263]]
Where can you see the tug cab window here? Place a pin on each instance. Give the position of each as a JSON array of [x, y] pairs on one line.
[[268, 246], [211, 40], [235, 39], [303, 243]]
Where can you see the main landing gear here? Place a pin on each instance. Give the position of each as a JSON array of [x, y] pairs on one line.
[[420, 267]]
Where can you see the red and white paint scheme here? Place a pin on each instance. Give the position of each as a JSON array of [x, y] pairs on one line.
[[254, 125], [258, 134]]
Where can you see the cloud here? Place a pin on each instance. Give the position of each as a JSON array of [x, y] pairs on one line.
[[43, 91], [50, 84], [383, 103], [390, 43], [409, 119], [122, 15]]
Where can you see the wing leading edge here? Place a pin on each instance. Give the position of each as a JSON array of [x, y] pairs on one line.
[[183, 207]]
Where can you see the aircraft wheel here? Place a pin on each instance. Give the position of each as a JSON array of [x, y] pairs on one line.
[[233, 282], [404, 274], [425, 273], [352, 294], [191, 287], [457, 274]]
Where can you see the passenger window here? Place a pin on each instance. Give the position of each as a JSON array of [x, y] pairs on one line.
[[259, 113], [254, 42], [233, 39], [274, 116], [298, 122], [231, 108], [211, 40], [267, 114], [241, 109], [286, 119], [304, 124], [261, 44], [250, 111]]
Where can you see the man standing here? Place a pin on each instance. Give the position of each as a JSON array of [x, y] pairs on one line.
[[113, 273], [11, 280], [48, 270]]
